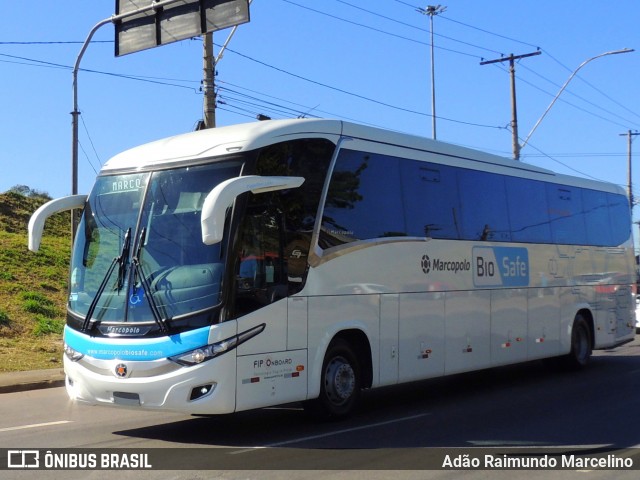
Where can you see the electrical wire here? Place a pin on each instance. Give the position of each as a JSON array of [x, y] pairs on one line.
[[356, 95], [423, 30], [563, 100], [379, 30], [93, 147]]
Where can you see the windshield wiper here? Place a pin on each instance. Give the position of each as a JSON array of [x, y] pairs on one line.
[[122, 261], [139, 273]]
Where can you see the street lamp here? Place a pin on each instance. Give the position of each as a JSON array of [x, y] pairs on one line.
[[432, 10], [614, 52]]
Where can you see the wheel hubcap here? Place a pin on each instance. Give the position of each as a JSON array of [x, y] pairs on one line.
[[340, 381]]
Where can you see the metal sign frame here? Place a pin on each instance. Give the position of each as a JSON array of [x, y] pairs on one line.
[[162, 24]]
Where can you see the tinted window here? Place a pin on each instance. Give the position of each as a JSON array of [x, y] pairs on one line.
[[484, 206], [430, 199], [364, 199], [374, 196], [566, 214], [596, 210], [274, 237], [528, 210], [620, 218]]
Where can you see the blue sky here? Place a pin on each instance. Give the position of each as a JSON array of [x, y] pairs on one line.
[[363, 61]]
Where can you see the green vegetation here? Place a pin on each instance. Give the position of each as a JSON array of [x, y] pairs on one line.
[[33, 287]]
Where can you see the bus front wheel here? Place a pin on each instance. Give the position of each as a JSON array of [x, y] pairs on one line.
[[340, 383]]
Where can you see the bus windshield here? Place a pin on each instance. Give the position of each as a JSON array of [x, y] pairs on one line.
[[139, 255]]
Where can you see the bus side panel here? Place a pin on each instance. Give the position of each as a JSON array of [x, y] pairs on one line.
[[543, 332], [508, 326], [468, 330], [296, 323], [422, 342], [272, 367], [271, 379], [329, 315], [605, 321], [625, 313], [389, 317], [274, 336]]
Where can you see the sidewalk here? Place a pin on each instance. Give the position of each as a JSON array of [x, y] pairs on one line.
[[31, 380]]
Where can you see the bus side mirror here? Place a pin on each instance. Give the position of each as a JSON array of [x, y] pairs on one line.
[[223, 195], [36, 222]]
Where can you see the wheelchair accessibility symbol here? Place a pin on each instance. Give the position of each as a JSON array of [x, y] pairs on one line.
[[135, 299]]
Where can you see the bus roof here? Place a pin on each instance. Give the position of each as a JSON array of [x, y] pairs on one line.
[[219, 141], [213, 142]]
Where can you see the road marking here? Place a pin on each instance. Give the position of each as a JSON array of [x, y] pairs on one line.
[[35, 425], [329, 434]]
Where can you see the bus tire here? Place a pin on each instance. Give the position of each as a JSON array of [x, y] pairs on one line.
[[580, 344], [340, 383]]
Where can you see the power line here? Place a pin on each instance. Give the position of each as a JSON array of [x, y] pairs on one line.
[[419, 28], [565, 101], [307, 109], [593, 104], [613, 114], [476, 28], [140, 78], [92, 145], [54, 42], [608, 97], [356, 95], [379, 30]]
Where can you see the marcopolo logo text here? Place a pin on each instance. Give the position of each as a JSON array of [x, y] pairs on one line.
[[439, 265]]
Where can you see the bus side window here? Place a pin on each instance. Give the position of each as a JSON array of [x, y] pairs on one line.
[[431, 202], [484, 206], [260, 274]]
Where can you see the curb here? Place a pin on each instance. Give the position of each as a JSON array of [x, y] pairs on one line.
[[31, 380]]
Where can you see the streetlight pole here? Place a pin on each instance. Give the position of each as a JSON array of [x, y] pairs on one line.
[[432, 10], [614, 52], [76, 113]]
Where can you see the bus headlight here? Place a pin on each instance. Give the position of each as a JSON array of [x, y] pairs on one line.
[[72, 354], [207, 352]]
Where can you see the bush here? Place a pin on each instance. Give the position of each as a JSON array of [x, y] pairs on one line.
[[4, 318], [29, 192], [47, 326], [37, 303], [6, 276]]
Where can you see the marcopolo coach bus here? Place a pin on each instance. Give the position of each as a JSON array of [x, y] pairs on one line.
[[305, 260]]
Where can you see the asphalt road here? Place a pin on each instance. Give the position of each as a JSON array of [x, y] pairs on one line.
[[533, 408]]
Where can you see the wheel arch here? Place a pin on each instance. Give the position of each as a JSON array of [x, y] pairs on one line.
[[588, 317], [359, 341], [357, 338]]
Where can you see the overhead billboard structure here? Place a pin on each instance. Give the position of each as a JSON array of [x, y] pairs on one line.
[[168, 22]]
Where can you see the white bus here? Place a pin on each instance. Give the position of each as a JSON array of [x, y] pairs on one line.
[[305, 260]]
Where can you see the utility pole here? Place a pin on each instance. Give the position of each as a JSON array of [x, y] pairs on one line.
[[629, 136], [514, 110], [209, 64], [208, 82], [432, 10]]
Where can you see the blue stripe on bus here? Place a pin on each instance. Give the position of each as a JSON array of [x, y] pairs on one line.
[[106, 348]]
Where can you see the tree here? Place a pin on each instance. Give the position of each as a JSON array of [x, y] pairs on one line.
[[29, 192]]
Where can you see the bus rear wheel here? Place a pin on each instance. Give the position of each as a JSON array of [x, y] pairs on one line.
[[340, 383], [580, 343]]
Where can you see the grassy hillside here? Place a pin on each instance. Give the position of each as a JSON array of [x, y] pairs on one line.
[[33, 287]]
